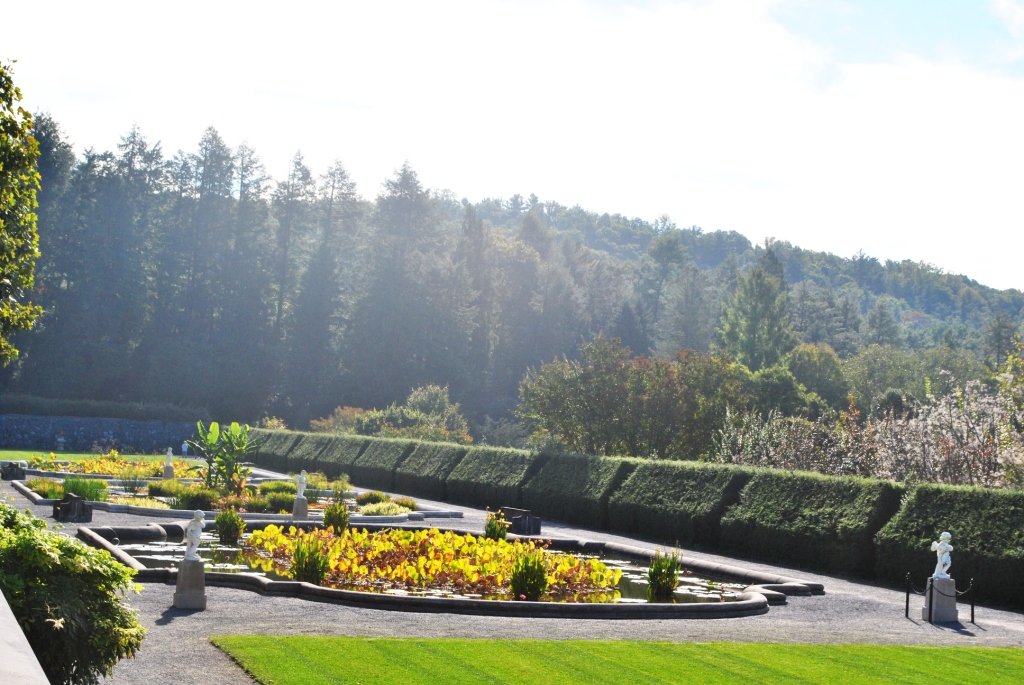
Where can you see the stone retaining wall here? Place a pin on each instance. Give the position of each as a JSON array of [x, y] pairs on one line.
[[19, 431]]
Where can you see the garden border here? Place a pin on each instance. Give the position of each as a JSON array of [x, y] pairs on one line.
[[766, 589]]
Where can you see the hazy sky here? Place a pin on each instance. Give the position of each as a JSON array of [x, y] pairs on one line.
[[894, 127]]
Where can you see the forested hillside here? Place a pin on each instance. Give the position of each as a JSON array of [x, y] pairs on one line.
[[199, 279]]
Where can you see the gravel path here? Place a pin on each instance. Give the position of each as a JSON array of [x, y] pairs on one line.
[[177, 649]]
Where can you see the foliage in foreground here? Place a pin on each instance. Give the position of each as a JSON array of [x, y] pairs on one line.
[[295, 660], [67, 598], [409, 559]]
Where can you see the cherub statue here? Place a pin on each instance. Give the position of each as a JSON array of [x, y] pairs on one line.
[[942, 548], [193, 533], [300, 485]]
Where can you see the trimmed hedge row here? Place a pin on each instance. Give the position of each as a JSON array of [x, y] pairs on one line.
[[988, 539], [680, 502], [852, 526], [425, 472], [375, 466], [812, 520], [492, 476], [575, 488]]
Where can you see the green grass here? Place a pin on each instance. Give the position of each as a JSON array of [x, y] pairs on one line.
[[25, 455], [283, 660]]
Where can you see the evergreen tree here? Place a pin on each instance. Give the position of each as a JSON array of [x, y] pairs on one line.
[[755, 327]]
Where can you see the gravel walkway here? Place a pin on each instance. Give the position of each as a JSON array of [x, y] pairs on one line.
[[177, 649]]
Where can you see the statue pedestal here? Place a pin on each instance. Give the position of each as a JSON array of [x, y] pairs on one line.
[[191, 590], [300, 510], [168, 472], [943, 593]]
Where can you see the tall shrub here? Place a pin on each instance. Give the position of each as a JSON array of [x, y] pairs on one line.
[[67, 598]]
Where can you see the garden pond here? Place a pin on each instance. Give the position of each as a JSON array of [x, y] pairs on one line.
[[584, 577]]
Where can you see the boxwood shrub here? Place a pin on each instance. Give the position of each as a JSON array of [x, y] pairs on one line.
[[424, 472], [676, 502], [575, 488], [806, 519], [273, 451], [988, 539], [492, 476], [339, 453], [375, 466]]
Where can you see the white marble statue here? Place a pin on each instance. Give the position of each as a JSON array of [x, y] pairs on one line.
[[193, 533], [942, 548], [300, 485], [170, 454]]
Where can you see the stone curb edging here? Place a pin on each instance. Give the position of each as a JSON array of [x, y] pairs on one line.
[[750, 603], [20, 663]]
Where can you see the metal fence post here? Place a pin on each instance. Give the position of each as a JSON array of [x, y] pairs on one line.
[[906, 610], [931, 598]]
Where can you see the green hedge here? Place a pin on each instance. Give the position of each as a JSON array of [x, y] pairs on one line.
[[677, 502], [575, 488], [424, 473], [807, 519], [491, 476], [273, 451], [375, 466], [988, 540], [340, 453]]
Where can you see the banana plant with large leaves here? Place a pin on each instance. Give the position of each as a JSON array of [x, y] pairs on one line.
[[207, 445]]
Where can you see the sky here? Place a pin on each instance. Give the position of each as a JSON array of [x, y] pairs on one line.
[[895, 128]]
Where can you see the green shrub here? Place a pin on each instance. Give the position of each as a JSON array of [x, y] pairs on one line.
[[529, 578], [260, 504], [988, 539], [46, 487], [663, 576], [383, 509], [407, 502], [372, 497], [309, 560], [67, 598], [341, 452], [424, 472], [195, 497], [92, 489], [273, 452], [270, 486], [491, 476], [807, 519], [496, 527], [280, 501], [229, 526], [576, 488], [306, 453], [132, 480], [166, 488], [336, 516], [677, 502], [375, 467]]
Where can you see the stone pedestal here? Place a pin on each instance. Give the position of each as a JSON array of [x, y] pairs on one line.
[[191, 590], [168, 472], [943, 592], [300, 510]]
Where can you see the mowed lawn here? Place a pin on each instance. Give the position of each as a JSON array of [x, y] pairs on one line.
[[318, 660], [25, 455]]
